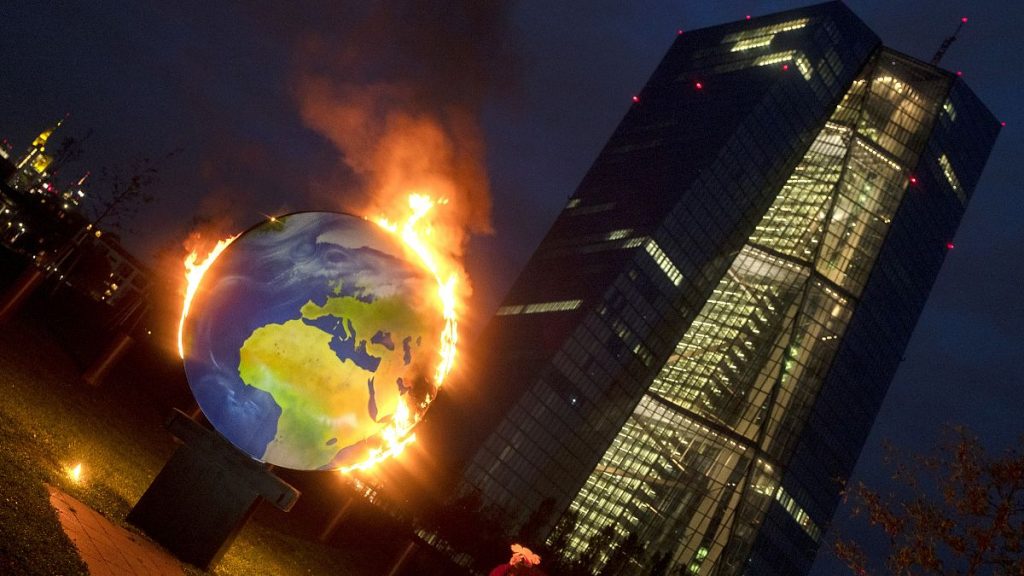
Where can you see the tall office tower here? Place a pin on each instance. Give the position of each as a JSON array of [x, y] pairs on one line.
[[693, 357], [32, 168]]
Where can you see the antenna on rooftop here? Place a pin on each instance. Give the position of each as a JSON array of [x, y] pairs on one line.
[[947, 42]]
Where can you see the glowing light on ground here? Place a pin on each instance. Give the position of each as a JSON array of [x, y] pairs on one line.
[[75, 473], [193, 275]]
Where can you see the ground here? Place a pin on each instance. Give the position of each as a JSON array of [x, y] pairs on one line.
[[50, 420]]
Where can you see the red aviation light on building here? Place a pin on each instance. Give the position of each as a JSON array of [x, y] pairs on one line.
[[964, 20], [959, 73], [1003, 123], [748, 16], [698, 85], [785, 67], [913, 180], [636, 99], [950, 246], [679, 32]]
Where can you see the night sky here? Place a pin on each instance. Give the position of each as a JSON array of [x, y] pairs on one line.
[[270, 106]]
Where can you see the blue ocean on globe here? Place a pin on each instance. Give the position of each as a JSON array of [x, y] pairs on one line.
[[304, 336]]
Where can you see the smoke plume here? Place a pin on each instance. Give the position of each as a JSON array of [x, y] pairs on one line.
[[398, 88]]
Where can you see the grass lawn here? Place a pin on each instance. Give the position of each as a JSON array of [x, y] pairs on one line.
[[50, 420]]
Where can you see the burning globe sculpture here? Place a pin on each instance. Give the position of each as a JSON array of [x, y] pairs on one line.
[[311, 342]]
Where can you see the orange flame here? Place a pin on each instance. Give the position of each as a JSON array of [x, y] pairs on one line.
[[193, 274], [417, 235]]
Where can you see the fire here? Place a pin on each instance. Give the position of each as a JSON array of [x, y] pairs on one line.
[[193, 275], [417, 235], [420, 239]]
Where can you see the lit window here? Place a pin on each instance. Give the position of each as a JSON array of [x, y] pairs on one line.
[[767, 30], [576, 209], [663, 262], [538, 308], [954, 182], [801, 61], [752, 43], [618, 234], [797, 513], [949, 110]]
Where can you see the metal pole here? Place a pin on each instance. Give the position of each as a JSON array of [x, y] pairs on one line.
[[95, 373], [406, 554], [23, 287], [335, 520]]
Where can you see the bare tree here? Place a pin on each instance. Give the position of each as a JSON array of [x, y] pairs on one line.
[[961, 512], [119, 193]]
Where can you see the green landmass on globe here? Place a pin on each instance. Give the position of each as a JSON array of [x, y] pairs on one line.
[[306, 335], [333, 400]]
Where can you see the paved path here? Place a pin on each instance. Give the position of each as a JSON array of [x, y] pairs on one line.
[[107, 549]]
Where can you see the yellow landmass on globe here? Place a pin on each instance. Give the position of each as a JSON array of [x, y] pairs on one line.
[[322, 396]]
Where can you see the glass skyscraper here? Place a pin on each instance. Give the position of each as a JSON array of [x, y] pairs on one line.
[[692, 359]]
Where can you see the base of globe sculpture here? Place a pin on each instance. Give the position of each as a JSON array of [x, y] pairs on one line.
[[205, 494]]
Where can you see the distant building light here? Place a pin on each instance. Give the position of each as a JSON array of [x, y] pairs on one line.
[[636, 99]]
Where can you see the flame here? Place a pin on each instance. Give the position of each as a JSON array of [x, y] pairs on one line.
[[417, 235], [193, 274]]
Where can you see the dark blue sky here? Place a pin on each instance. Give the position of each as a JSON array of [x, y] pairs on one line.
[[547, 82]]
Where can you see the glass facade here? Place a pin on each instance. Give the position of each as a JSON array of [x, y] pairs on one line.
[[698, 463], [680, 364]]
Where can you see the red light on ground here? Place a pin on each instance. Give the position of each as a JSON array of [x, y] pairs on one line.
[[949, 246], [636, 98], [785, 67], [964, 19], [698, 86]]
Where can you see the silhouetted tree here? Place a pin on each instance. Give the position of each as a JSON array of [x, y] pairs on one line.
[[119, 193], [558, 559], [530, 529], [597, 549], [559, 538], [69, 151], [962, 513], [629, 549], [659, 567], [468, 526]]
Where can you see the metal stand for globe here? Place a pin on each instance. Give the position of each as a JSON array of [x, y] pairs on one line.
[[204, 494]]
